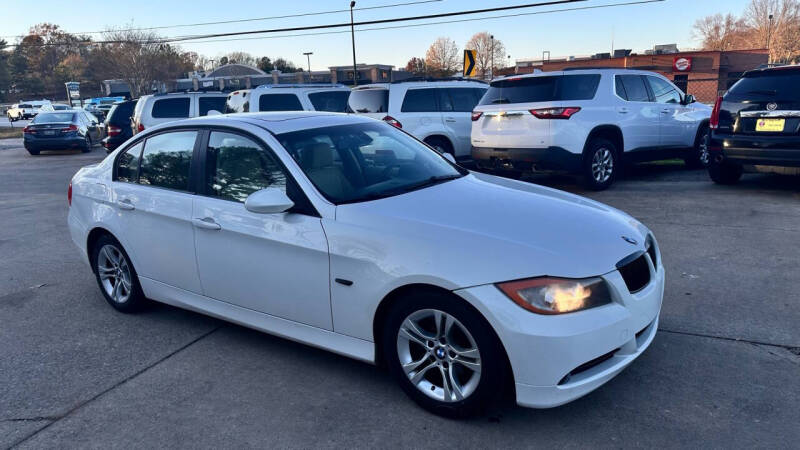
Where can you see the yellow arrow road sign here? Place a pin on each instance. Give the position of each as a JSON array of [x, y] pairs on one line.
[[469, 63]]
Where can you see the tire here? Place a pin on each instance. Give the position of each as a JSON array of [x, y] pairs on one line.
[[33, 152], [698, 156], [409, 336], [442, 145], [600, 164], [116, 276], [724, 173], [88, 146]]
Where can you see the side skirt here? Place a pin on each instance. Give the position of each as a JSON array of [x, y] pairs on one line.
[[305, 334]]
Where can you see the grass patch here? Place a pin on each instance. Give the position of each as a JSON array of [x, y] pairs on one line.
[[9, 133]]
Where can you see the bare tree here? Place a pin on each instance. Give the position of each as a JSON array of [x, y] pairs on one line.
[[443, 57], [417, 66], [781, 34], [718, 32], [487, 52], [139, 58]]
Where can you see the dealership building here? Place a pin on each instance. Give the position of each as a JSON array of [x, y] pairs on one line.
[[705, 74]]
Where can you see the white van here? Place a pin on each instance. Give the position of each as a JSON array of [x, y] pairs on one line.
[[154, 109], [25, 110], [289, 97]]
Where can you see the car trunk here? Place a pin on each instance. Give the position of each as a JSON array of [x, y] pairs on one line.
[[767, 104], [50, 130]]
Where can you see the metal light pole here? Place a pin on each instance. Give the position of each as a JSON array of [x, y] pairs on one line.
[[308, 56], [491, 56], [353, 40], [769, 35]]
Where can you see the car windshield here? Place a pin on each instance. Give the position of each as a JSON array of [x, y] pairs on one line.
[[366, 161], [53, 118]]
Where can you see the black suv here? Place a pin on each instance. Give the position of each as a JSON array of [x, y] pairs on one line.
[[118, 124], [757, 122]]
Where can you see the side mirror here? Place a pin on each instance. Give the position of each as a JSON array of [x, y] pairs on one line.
[[449, 157], [268, 201], [689, 99]]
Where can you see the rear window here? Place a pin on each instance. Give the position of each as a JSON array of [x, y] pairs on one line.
[[279, 102], [542, 89], [778, 84], [54, 118], [25, 106], [238, 102], [419, 100], [121, 113], [171, 108], [334, 101], [368, 101], [207, 104]]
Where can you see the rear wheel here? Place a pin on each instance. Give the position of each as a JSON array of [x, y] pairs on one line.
[[724, 173], [87, 147], [444, 355], [600, 164], [698, 155], [116, 276], [441, 145], [33, 152]]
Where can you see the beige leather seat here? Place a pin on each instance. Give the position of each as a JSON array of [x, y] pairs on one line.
[[318, 165]]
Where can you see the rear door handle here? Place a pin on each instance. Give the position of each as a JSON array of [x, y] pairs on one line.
[[623, 110], [665, 111], [125, 204], [449, 119], [206, 223]]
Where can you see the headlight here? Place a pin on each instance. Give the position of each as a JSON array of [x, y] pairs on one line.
[[557, 295]]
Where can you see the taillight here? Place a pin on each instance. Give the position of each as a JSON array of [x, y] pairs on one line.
[[476, 115], [28, 130], [69, 194], [140, 127], [713, 123], [392, 121], [114, 130], [69, 128], [555, 113]]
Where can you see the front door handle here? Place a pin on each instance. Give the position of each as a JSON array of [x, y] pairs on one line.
[[125, 204], [622, 110], [449, 119], [665, 111], [206, 223]]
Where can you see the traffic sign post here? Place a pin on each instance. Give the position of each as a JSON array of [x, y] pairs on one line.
[[469, 63]]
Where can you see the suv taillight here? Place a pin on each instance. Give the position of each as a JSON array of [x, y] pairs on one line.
[[114, 130], [555, 113], [476, 115], [69, 194], [393, 122], [713, 123]]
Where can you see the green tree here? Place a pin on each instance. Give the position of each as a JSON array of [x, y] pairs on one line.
[[5, 75]]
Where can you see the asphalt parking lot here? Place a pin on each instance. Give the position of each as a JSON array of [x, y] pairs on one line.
[[722, 371]]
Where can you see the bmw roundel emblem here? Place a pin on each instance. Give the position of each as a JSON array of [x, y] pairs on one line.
[[772, 106], [630, 240]]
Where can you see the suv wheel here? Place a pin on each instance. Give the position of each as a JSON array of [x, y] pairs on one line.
[[724, 173], [443, 355], [441, 145], [698, 156], [600, 164]]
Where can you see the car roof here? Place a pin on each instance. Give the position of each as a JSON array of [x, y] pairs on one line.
[[578, 70], [424, 82], [274, 122], [305, 86]]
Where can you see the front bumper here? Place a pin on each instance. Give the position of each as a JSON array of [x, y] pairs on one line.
[[526, 159], [557, 359]]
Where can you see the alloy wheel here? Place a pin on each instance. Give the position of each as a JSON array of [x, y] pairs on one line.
[[703, 150], [439, 355], [602, 165], [115, 273]]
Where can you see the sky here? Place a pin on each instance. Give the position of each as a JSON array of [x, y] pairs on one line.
[[566, 33]]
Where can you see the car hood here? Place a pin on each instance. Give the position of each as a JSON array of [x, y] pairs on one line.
[[483, 229]]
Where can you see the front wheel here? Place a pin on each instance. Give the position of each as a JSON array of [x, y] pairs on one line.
[[724, 173], [698, 155], [444, 355], [116, 276], [600, 164]]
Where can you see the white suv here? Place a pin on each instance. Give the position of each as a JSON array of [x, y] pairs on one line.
[[289, 97], [436, 112], [154, 109], [586, 121]]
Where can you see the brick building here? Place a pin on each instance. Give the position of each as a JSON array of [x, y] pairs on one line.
[[705, 74]]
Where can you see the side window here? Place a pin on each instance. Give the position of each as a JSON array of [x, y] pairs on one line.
[[620, 88], [635, 88], [663, 91], [166, 159], [236, 167], [171, 108], [207, 104], [445, 102], [279, 102], [128, 164], [419, 100], [464, 99], [479, 93]]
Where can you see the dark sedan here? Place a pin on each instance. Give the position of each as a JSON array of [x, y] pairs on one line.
[[60, 130]]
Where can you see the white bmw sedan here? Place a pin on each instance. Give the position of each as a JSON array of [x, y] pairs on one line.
[[346, 233]]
